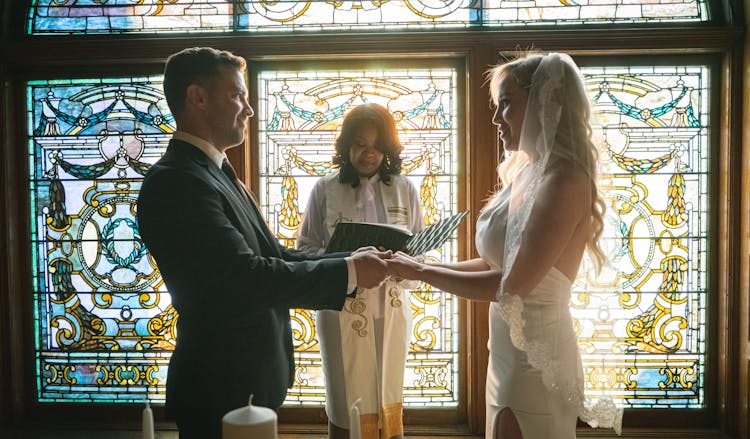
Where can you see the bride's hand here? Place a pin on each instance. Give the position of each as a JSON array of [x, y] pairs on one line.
[[403, 266]]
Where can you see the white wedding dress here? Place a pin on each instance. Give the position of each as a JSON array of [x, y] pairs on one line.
[[542, 410], [535, 367]]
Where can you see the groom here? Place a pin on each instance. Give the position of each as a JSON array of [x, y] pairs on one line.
[[229, 279]]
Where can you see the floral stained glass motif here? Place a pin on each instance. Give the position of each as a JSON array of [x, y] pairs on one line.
[[104, 327], [300, 113], [645, 341], [129, 16]]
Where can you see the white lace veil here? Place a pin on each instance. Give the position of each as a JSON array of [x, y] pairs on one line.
[[556, 131], [556, 128]]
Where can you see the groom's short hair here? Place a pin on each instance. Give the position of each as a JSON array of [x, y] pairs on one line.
[[194, 65]]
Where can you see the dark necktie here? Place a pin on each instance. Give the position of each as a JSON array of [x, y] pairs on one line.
[[228, 170]]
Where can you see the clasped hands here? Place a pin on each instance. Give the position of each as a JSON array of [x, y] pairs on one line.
[[374, 265]]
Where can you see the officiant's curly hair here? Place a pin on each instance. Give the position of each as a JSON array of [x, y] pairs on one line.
[[366, 116]]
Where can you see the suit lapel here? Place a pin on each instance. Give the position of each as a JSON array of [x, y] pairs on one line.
[[245, 204], [238, 201]]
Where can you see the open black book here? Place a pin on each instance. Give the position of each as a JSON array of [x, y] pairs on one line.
[[351, 236]]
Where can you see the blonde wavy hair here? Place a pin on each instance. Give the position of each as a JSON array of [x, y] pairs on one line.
[[573, 144]]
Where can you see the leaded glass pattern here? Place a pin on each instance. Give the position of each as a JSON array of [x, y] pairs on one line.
[[104, 327], [129, 16], [509, 13], [126, 16], [645, 340], [299, 114]]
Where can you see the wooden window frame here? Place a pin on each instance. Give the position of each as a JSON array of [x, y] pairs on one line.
[[720, 43]]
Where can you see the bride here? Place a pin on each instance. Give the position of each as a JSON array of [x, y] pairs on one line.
[[531, 237]]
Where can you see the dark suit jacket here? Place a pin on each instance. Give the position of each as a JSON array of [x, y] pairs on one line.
[[230, 281]]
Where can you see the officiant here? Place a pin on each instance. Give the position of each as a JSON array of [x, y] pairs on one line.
[[364, 346]]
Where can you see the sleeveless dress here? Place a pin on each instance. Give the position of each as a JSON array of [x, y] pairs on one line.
[[511, 381]]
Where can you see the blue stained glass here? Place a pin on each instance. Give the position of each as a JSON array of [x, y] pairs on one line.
[[97, 24], [102, 318], [56, 16], [104, 325]]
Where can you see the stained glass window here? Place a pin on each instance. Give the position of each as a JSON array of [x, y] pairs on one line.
[[104, 329], [299, 114], [104, 326], [124, 16], [645, 342], [127, 16]]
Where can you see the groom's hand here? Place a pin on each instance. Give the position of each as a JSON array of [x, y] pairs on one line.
[[369, 248], [371, 267]]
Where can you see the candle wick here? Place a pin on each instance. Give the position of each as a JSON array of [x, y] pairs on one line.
[[250, 402]]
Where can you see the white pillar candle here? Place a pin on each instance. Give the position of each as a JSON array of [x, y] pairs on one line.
[[147, 423], [249, 422], [355, 430]]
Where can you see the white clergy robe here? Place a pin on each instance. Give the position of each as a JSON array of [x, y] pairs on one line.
[[364, 346]]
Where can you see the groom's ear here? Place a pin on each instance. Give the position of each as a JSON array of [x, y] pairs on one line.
[[196, 96]]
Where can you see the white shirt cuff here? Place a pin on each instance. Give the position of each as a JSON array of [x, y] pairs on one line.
[[352, 282]]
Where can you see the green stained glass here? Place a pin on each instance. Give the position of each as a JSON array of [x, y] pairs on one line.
[[299, 114], [104, 327], [645, 341], [128, 16]]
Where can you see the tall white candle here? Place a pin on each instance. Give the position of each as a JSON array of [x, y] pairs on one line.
[[249, 422], [355, 430], [147, 423]]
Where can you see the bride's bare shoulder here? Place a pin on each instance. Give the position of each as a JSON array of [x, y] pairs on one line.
[[564, 194], [561, 181]]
